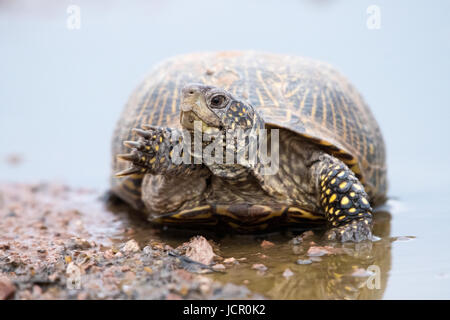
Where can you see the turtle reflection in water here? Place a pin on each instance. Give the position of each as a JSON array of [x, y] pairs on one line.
[[356, 271], [331, 152]]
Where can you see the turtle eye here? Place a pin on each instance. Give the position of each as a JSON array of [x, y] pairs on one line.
[[218, 101]]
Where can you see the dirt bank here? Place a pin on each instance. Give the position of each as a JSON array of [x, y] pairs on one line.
[[58, 242]]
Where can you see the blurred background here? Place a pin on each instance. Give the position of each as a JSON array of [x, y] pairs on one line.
[[68, 67]]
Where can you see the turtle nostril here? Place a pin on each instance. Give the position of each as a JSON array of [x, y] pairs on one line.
[[191, 91]]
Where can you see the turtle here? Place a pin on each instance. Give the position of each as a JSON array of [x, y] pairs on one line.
[[329, 153]]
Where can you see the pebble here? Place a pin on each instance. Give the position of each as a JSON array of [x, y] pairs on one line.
[[131, 246], [148, 270], [361, 273], [7, 288], [287, 273], [267, 244], [259, 267], [299, 239], [218, 267], [230, 260], [199, 249], [316, 252], [304, 261]]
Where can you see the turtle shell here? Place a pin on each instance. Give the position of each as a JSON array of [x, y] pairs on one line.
[[306, 96]]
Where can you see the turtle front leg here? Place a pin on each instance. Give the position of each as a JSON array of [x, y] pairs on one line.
[[158, 151], [344, 201]]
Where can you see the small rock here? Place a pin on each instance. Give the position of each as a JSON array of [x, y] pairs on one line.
[[205, 284], [287, 273], [73, 273], [297, 249], [230, 260], [37, 291], [78, 244], [301, 238], [131, 246], [184, 290], [108, 254], [259, 267], [317, 251], [53, 277], [7, 288], [307, 234], [315, 259], [361, 273], [218, 267], [304, 261], [246, 282], [199, 249], [297, 240], [148, 270], [267, 244]]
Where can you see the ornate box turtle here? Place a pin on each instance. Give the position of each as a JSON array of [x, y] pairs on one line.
[[331, 155]]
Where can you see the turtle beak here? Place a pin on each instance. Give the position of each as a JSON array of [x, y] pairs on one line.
[[194, 108]]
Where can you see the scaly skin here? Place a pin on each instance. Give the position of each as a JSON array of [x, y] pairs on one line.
[[344, 201]]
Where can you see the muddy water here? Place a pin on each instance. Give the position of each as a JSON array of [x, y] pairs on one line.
[[62, 90], [394, 266]]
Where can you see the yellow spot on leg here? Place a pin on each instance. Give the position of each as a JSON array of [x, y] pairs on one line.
[[344, 201], [343, 185], [332, 198]]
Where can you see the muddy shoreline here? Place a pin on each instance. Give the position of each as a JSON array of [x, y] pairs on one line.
[[62, 243], [58, 242]]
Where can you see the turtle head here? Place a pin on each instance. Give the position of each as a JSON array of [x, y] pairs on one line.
[[216, 108]]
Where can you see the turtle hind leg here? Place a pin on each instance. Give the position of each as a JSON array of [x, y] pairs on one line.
[[344, 201]]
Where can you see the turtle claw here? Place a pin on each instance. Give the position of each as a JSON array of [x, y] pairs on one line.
[[129, 156], [133, 144], [355, 231], [129, 171], [143, 133]]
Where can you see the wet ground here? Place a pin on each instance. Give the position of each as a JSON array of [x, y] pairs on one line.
[[68, 243], [61, 243]]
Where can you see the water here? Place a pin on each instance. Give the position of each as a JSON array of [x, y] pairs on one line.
[[62, 90]]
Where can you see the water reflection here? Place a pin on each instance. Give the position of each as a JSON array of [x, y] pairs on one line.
[[342, 275], [350, 271]]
